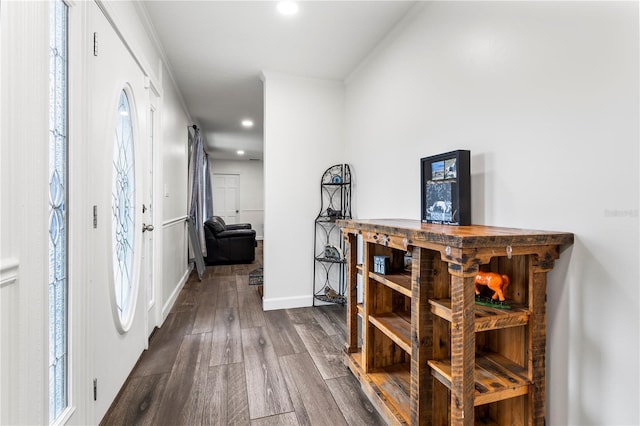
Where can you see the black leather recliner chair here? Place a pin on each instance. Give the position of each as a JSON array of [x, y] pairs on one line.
[[229, 244]]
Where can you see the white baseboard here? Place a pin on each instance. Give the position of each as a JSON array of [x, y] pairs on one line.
[[174, 295], [287, 302]]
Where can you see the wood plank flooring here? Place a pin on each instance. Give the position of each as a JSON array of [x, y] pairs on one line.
[[220, 360]]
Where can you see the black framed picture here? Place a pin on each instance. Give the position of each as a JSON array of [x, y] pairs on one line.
[[446, 188]]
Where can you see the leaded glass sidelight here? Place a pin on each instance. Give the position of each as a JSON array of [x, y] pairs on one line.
[[123, 209], [58, 235]]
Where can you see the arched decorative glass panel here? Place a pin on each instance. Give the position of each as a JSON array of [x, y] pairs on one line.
[[123, 206], [58, 234]]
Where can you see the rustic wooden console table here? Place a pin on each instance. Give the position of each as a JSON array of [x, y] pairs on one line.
[[426, 353]]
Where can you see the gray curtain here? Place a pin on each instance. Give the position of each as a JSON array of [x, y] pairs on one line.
[[196, 172], [208, 190]]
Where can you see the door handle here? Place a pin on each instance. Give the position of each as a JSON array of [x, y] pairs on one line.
[[147, 227]]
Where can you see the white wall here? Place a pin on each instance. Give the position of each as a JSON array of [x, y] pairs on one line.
[[24, 198], [175, 268], [251, 175], [545, 95], [303, 136]]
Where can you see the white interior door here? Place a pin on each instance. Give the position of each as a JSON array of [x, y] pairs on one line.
[[117, 319], [226, 194]]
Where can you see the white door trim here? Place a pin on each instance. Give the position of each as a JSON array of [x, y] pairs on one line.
[[154, 317]]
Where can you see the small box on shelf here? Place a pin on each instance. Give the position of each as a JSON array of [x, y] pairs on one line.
[[381, 264]]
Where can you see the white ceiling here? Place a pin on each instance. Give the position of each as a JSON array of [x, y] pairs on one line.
[[217, 50]]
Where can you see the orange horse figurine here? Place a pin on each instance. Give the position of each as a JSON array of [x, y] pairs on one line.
[[496, 282]]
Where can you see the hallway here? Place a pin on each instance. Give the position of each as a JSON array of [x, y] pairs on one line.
[[219, 359]]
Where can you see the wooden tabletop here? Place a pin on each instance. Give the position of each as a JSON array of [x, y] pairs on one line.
[[457, 236]]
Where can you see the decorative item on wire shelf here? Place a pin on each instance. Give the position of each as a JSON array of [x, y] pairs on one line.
[[337, 175], [333, 214], [330, 295], [333, 253]]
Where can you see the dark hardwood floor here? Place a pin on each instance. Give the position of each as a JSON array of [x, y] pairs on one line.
[[220, 360]]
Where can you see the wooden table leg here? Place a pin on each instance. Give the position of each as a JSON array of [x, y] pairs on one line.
[[463, 342], [352, 293], [421, 335]]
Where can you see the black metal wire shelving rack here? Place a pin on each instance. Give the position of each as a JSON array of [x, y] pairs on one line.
[[329, 270]]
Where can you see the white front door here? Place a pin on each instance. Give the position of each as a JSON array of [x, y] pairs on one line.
[[226, 193], [117, 295]]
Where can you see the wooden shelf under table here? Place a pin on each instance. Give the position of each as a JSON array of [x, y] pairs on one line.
[[396, 326], [496, 377], [390, 386], [487, 318], [399, 281]]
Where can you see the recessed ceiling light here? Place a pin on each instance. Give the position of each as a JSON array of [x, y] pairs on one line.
[[240, 152], [288, 7], [247, 123]]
